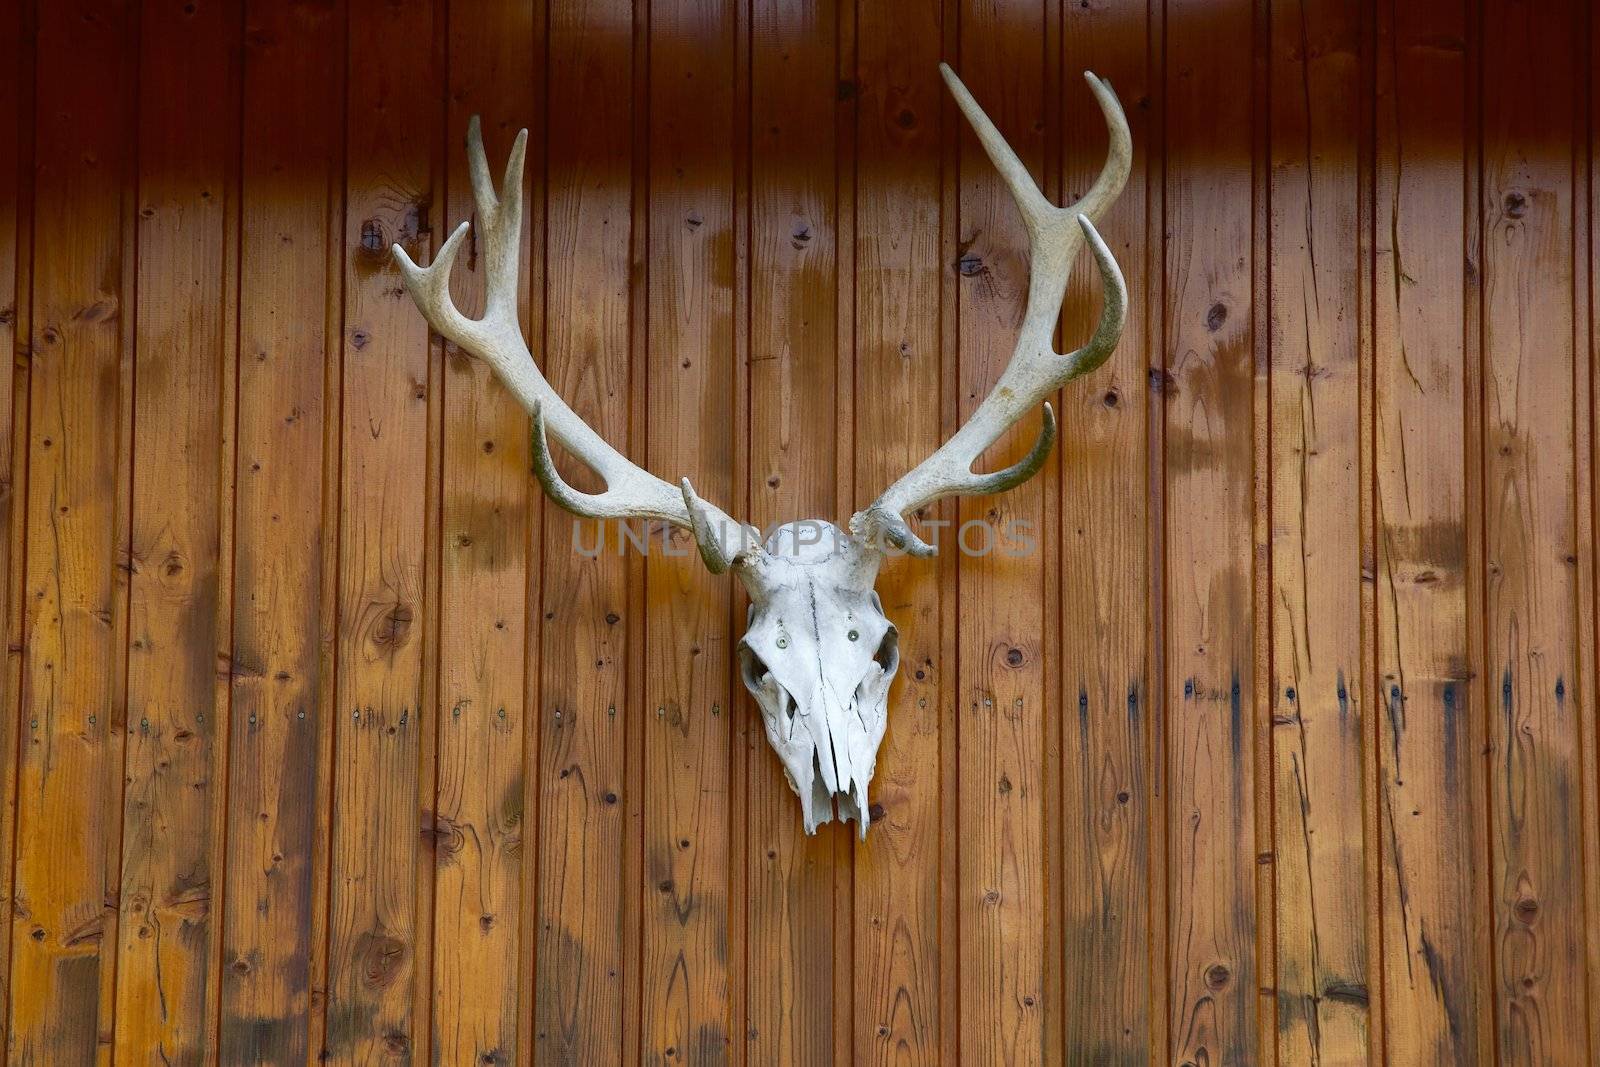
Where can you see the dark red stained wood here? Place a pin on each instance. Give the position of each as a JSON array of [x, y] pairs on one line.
[[1317, 410], [378, 926], [1209, 380], [1006, 922], [686, 1005], [70, 722], [478, 807], [1532, 73], [1110, 789], [585, 720], [898, 355], [277, 819], [791, 878]]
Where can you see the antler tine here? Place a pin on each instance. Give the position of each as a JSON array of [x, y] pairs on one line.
[[631, 491], [1036, 370]]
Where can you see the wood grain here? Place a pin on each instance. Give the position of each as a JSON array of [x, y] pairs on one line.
[[1530, 80], [16, 208], [182, 465], [478, 808], [1001, 646], [688, 823], [1431, 779], [586, 721], [793, 444], [281, 727], [900, 873], [380, 775], [71, 713], [1323, 993], [1208, 382], [274, 566], [1110, 791]]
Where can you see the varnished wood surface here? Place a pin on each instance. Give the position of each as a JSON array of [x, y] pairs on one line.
[[323, 743]]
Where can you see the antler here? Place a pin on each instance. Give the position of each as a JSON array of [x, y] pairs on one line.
[[1036, 370], [631, 491]]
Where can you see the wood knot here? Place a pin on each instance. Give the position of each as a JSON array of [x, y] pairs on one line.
[[373, 239], [1516, 205], [393, 627], [382, 957], [1217, 977], [1216, 317]]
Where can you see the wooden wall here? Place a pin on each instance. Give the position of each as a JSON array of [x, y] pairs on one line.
[[323, 745]]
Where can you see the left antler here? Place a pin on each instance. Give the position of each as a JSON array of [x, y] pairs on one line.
[[1036, 370], [631, 491]]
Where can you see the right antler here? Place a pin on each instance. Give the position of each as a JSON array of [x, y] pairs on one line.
[[1036, 370], [631, 492]]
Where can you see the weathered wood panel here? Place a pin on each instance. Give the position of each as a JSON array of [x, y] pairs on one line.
[[377, 928], [690, 972], [1110, 785], [1318, 699], [1208, 380], [478, 806], [586, 722], [1304, 765], [1531, 81], [70, 718], [16, 207], [794, 442], [1002, 643], [174, 772], [1431, 848], [903, 896], [280, 729]]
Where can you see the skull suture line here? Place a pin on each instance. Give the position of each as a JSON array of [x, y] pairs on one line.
[[818, 654]]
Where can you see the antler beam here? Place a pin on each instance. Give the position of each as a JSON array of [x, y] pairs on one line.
[[631, 492], [1036, 370]]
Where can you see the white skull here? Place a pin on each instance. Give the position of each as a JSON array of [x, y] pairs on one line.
[[818, 656]]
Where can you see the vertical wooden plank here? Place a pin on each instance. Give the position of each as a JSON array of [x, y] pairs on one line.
[[1000, 641], [71, 709], [584, 715], [280, 726], [1209, 380], [792, 476], [1430, 775], [1588, 389], [1110, 800], [380, 712], [689, 403], [16, 227], [478, 813], [898, 283], [174, 770], [1530, 82], [1316, 409]]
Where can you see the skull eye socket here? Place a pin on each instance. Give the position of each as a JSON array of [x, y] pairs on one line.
[[888, 654]]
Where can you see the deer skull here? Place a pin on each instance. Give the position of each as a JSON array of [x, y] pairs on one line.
[[818, 654]]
